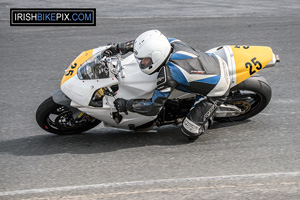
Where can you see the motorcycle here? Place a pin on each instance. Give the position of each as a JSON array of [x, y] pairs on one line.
[[94, 80]]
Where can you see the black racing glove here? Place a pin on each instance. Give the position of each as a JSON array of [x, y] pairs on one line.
[[126, 47], [122, 48], [120, 105], [113, 50]]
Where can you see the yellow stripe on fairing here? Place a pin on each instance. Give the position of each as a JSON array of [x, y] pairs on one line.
[[72, 69]]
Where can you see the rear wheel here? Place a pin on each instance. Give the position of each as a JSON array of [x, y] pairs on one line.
[[251, 96], [58, 119]]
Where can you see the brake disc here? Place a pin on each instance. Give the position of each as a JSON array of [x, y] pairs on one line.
[[244, 105]]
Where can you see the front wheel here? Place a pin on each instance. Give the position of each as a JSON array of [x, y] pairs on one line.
[[251, 96], [58, 119]]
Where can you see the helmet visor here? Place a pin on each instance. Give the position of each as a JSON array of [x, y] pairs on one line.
[[144, 62]]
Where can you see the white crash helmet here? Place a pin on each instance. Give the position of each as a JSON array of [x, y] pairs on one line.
[[151, 49]]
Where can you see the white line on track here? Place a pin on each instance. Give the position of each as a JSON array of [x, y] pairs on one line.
[[149, 182]]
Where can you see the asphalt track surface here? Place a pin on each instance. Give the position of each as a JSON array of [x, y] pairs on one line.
[[255, 159]]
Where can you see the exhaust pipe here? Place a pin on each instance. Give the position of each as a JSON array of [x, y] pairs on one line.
[[277, 58]]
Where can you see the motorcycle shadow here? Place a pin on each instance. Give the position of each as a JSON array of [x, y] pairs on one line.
[[90, 142], [218, 125], [104, 140]]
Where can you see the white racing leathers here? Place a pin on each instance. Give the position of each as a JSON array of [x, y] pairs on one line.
[[190, 71]]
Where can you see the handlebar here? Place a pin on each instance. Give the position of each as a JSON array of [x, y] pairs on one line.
[[116, 70], [119, 69]]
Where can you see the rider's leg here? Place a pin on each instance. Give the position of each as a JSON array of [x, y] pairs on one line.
[[200, 116]]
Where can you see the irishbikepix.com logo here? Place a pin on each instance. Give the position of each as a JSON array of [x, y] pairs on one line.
[[53, 17]]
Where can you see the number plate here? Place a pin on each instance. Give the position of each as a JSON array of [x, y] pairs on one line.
[[249, 60], [72, 69]]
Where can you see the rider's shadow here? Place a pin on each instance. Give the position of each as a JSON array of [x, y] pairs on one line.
[[102, 141]]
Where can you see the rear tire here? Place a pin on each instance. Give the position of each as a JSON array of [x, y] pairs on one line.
[[58, 119], [260, 93]]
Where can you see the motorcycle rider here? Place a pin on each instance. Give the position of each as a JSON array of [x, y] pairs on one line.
[[180, 67]]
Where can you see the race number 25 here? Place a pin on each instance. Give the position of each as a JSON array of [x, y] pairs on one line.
[[70, 72], [252, 64], [239, 46]]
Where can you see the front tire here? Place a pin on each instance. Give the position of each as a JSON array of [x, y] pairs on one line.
[[58, 119]]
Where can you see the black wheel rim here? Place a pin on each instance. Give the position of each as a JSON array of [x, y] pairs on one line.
[[247, 101], [61, 118]]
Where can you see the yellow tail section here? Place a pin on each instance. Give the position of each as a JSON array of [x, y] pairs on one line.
[[72, 69], [249, 60]]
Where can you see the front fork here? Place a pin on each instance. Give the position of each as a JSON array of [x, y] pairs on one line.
[[60, 98]]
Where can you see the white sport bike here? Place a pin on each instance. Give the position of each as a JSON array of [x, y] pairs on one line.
[[93, 81]]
